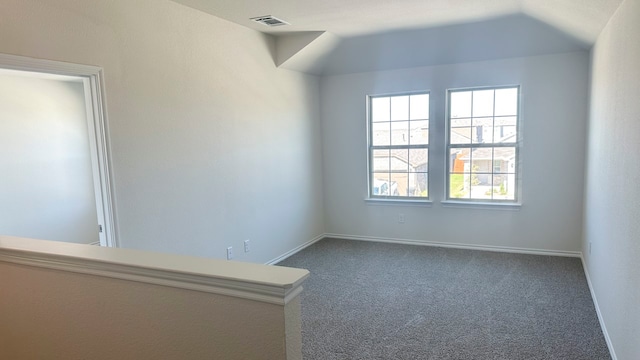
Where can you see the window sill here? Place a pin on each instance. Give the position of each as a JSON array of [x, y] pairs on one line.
[[481, 205], [407, 202]]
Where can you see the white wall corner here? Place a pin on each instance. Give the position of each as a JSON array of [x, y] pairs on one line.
[[305, 51]]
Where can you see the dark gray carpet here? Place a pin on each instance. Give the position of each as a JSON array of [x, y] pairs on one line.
[[384, 301]]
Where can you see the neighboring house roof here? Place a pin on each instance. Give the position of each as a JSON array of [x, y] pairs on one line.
[[459, 136], [498, 153], [509, 138], [398, 137], [456, 137], [418, 158]]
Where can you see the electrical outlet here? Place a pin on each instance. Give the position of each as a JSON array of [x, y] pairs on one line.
[[230, 253], [247, 246], [400, 218]]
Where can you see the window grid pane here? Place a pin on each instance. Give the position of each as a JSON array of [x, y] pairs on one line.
[[486, 119], [398, 150]]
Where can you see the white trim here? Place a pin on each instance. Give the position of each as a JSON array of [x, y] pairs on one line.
[[481, 205], [102, 158], [506, 249], [296, 250], [607, 338], [269, 284], [399, 202], [24, 63], [92, 77]]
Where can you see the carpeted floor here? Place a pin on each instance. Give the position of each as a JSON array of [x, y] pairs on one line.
[[368, 300]]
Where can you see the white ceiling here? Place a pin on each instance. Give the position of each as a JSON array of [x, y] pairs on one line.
[[328, 37], [581, 19]]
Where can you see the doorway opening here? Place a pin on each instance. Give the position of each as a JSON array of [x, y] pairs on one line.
[[54, 152]]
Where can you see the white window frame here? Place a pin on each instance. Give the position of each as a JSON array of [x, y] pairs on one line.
[[370, 147], [516, 202]]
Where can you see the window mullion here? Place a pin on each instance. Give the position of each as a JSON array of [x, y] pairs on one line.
[[493, 151], [484, 145]]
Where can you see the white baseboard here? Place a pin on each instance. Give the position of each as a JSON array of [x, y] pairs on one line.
[[507, 249], [296, 250], [600, 318], [516, 250]]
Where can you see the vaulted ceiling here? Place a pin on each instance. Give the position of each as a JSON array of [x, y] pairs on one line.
[[322, 32]]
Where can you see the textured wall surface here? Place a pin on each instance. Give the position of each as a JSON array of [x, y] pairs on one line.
[[58, 315], [211, 143], [553, 122], [612, 231]]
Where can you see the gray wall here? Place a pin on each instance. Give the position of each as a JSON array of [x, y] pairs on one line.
[[46, 179], [612, 227], [554, 112], [211, 143]]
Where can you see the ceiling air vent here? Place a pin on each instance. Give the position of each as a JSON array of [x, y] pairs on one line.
[[269, 20]]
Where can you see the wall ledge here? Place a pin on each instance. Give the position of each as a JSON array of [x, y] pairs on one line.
[[257, 282]]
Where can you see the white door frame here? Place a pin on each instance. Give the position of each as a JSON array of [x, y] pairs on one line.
[[92, 78]]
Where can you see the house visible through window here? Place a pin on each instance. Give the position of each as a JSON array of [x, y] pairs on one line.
[[483, 144], [399, 146]]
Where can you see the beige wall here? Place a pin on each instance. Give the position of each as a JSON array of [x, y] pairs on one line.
[[611, 244], [53, 315], [211, 143]]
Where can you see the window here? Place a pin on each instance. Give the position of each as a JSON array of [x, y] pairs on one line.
[[399, 146], [483, 144]]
